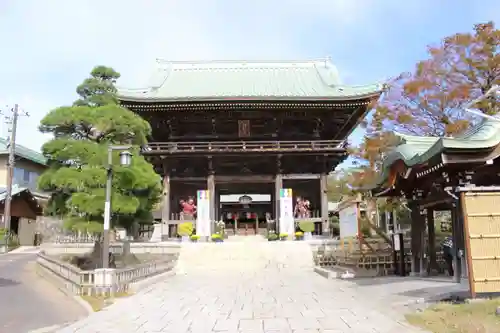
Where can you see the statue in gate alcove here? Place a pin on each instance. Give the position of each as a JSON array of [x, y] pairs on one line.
[[188, 209], [302, 208]]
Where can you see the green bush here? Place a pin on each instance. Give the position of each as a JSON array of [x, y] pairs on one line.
[[185, 229], [195, 237], [272, 236], [306, 226], [283, 235], [216, 237], [299, 235]]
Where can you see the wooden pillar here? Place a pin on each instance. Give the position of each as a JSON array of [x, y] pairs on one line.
[[165, 208], [415, 238], [421, 248], [432, 267], [324, 202], [212, 194], [278, 185], [461, 248], [455, 234]]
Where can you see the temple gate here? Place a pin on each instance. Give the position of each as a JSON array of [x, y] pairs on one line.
[[247, 126]]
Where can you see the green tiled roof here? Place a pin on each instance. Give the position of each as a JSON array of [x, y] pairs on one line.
[[15, 191], [23, 152], [213, 80], [415, 150]]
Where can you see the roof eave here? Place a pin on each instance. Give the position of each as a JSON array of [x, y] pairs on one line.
[[371, 95]]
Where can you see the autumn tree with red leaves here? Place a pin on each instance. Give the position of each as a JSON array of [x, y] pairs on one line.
[[430, 101]]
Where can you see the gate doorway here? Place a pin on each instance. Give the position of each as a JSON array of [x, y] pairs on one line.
[[245, 214]]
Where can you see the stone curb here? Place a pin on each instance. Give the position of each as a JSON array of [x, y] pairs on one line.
[[151, 281], [76, 298], [426, 301]]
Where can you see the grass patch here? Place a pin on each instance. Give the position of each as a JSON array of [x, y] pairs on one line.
[[478, 317], [100, 302]]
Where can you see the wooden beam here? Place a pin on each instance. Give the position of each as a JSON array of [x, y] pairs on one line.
[[301, 176]]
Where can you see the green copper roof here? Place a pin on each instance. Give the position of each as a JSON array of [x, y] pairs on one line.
[[415, 150], [213, 80], [23, 152], [15, 191]]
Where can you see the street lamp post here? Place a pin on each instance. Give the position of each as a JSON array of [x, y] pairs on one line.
[[125, 160]]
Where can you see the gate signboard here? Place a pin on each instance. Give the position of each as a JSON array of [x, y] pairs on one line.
[[348, 221], [286, 219], [203, 214], [481, 212]]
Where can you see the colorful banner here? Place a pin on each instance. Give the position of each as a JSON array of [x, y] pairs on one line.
[[203, 213], [286, 220]]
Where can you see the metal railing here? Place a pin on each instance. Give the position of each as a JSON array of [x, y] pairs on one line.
[[99, 281], [243, 146]]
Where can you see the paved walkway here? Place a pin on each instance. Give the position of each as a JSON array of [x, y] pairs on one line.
[[265, 287]]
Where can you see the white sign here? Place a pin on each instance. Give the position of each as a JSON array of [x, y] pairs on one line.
[[203, 213], [286, 220], [348, 221]]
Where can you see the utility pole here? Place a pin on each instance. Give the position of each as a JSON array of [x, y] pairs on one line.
[[10, 170]]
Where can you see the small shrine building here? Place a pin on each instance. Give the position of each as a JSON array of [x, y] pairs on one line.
[[460, 174]]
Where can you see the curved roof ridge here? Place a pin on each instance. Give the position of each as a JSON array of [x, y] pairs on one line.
[[410, 138], [243, 61], [485, 130]]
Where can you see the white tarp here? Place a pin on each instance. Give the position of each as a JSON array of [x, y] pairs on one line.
[[348, 217]]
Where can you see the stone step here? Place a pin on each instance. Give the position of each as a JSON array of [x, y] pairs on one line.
[[243, 256]]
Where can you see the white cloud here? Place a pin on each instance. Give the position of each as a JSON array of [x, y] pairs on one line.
[[51, 45]]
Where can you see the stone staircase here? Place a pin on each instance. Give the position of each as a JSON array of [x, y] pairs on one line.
[[243, 255]]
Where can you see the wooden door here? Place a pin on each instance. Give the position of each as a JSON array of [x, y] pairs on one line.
[[482, 237]]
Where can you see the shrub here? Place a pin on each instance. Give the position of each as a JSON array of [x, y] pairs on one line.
[[306, 226], [185, 229], [299, 235], [283, 235], [216, 238], [195, 237], [272, 236]]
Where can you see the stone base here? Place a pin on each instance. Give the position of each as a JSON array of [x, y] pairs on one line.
[[104, 277], [160, 229]]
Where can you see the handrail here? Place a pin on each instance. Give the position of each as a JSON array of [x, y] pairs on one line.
[[81, 282], [224, 146]]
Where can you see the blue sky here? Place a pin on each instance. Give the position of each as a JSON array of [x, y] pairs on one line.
[[50, 46]]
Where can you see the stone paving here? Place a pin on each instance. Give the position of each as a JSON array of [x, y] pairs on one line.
[[265, 287]]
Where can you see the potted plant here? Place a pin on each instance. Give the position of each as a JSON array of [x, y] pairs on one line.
[[185, 230], [283, 236], [299, 235], [217, 238], [307, 228], [195, 238], [271, 236]]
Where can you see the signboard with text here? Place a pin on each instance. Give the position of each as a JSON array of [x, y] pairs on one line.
[[286, 220], [348, 217], [203, 213]]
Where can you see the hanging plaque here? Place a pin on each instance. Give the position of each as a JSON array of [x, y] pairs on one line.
[[243, 128]]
